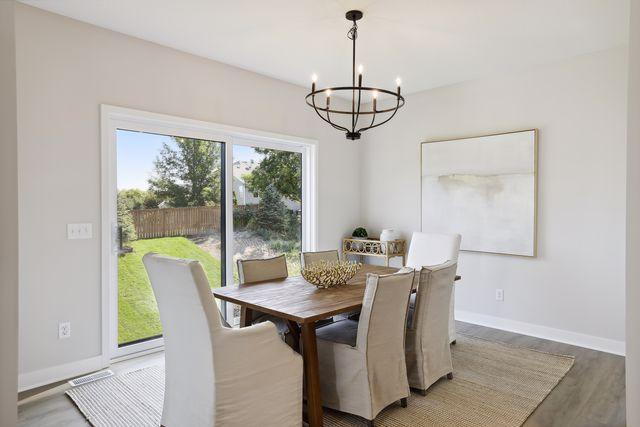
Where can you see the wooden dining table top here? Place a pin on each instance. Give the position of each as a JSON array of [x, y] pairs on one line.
[[295, 299]]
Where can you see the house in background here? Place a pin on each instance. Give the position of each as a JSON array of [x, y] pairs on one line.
[[244, 197]]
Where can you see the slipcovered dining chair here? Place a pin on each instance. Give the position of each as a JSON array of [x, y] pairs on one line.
[[428, 352], [362, 364], [433, 249], [310, 258], [260, 270], [218, 376]]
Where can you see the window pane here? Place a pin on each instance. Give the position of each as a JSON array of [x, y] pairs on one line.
[[169, 191], [267, 205]]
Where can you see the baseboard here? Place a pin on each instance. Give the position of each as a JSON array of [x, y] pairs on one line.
[[54, 374], [545, 332]]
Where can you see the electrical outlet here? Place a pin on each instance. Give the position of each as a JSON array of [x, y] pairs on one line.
[[499, 294], [79, 231], [64, 330]]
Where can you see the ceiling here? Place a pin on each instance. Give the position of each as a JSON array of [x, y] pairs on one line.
[[428, 43]]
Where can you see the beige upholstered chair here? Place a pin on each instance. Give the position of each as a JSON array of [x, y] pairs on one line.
[[433, 249], [260, 270], [310, 258], [218, 376], [428, 352], [362, 364]]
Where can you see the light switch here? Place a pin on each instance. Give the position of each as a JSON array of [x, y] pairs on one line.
[[79, 231]]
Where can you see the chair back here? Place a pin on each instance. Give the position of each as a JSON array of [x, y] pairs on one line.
[[310, 258], [432, 249], [259, 270], [433, 299], [384, 312], [190, 319]]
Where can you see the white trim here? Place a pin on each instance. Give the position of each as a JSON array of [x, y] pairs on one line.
[[137, 354], [113, 118], [46, 376], [568, 337]]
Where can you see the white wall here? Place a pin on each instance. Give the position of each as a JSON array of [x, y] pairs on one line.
[[633, 224], [66, 69], [576, 284], [8, 219]]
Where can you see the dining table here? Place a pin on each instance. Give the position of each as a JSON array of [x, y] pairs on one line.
[[302, 305]]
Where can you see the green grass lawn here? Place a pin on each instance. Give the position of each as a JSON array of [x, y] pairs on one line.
[[137, 311]]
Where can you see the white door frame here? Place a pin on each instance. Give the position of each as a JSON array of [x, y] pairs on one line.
[[113, 118]]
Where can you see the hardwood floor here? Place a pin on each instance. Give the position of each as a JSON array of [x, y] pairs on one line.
[[591, 395]]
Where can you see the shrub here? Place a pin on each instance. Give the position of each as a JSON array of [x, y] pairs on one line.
[[125, 221]]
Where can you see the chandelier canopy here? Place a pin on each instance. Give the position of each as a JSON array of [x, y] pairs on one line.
[[357, 92]]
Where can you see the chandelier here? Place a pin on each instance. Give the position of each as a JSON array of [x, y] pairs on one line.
[[357, 124]]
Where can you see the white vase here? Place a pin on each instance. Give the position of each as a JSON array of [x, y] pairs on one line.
[[389, 234]]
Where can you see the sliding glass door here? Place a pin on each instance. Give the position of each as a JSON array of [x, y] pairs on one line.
[[195, 190]]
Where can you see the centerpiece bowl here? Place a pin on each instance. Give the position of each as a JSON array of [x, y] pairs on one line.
[[325, 274]]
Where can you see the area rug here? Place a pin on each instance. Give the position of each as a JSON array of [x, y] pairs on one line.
[[494, 385]]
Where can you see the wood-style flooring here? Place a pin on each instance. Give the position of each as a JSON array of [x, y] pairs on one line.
[[592, 394]]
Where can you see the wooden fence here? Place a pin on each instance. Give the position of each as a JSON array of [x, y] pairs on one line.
[[166, 222]]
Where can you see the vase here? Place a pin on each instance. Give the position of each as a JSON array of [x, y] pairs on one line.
[[389, 234]]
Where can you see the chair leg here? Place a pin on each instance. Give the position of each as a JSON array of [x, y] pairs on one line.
[[403, 402], [450, 376], [423, 392], [369, 423]]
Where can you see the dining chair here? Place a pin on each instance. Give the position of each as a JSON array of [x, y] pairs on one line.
[[433, 249], [310, 258], [362, 364], [217, 375], [260, 270], [428, 352]]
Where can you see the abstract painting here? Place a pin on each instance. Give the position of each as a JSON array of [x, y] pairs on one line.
[[483, 188]]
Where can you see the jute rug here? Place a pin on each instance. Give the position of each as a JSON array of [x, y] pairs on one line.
[[494, 385]]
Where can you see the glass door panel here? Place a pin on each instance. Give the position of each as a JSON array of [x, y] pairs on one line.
[[169, 201], [267, 205]]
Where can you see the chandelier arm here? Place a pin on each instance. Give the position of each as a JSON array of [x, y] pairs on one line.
[[382, 122], [337, 127], [358, 112]]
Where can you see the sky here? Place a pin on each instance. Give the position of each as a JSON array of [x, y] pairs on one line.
[[136, 152]]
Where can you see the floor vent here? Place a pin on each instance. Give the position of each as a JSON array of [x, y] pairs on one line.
[[91, 377]]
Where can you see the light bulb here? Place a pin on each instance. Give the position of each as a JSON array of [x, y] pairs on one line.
[[314, 77], [328, 92], [398, 82], [360, 69], [375, 94]]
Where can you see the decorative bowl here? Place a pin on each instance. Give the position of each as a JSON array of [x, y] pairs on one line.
[[326, 274]]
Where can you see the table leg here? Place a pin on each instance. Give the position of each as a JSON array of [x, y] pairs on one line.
[[294, 329], [312, 374], [246, 316]]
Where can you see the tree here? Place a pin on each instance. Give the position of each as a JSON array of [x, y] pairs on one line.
[[282, 169], [134, 198], [187, 174], [270, 214]]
